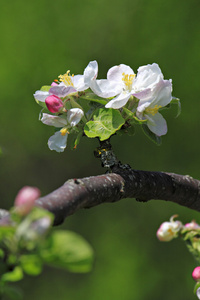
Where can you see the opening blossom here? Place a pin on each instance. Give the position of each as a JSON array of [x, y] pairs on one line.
[[58, 141], [169, 230]]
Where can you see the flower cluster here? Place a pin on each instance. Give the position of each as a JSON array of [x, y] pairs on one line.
[[72, 102]]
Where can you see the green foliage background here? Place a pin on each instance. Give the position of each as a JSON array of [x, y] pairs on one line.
[[41, 39]]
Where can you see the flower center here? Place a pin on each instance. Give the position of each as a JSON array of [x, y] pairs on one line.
[[153, 110], [128, 80], [64, 131], [66, 78]]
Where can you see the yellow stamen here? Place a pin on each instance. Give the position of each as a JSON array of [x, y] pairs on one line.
[[153, 110], [66, 78], [128, 80], [64, 131]]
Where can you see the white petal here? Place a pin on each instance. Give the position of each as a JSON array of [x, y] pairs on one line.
[[90, 72], [156, 123], [119, 101], [79, 83], [198, 293], [105, 88], [74, 116], [147, 77], [58, 142], [41, 95], [61, 90], [145, 95], [115, 73], [162, 93], [55, 121]]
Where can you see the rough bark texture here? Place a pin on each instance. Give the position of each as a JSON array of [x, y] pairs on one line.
[[122, 183]]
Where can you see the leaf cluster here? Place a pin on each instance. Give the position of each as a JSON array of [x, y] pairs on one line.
[[27, 243]]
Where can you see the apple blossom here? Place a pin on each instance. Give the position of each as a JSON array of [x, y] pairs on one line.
[[149, 105], [123, 82], [169, 230], [70, 83], [75, 83], [58, 141]]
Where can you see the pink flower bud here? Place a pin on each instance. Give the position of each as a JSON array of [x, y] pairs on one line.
[[192, 226], [54, 103], [196, 274], [25, 199]]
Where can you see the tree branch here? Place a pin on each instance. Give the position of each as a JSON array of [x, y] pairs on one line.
[[122, 183]]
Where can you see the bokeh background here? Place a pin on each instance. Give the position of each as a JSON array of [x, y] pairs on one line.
[[41, 39]]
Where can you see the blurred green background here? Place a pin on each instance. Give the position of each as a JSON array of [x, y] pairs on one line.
[[41, 39]]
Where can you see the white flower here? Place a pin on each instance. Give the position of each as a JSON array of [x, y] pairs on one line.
[[122, 81], [58, 141], [169, 230], [78, 82], [150, 103], [70, 83]]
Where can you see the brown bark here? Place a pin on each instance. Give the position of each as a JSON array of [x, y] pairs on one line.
[[122, 183]]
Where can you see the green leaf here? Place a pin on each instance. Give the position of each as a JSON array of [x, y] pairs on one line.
[[152, 136], [106, 122], [68, 250], [6, 232], [15, 275], [45, 88], [31, 264]]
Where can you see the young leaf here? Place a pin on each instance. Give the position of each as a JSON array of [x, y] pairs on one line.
[[66, 249], [15, 275], [31, 264], [106, 122]]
